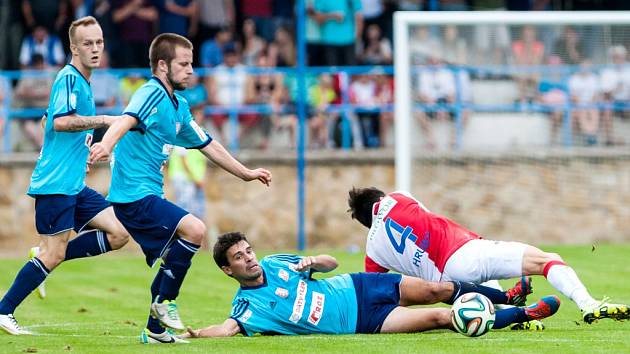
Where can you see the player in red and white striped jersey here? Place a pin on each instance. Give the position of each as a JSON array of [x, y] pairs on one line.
[[407, 238]]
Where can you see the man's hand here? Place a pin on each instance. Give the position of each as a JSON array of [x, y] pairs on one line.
[[260, 174], [99, 152], [190, 333], [306, 263]]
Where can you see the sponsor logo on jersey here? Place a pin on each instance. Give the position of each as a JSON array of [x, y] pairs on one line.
[[386, 205], [88, 140], [246, 315], [317, 308], [300, 301], [283, 274], [283, 293], [73, 100]]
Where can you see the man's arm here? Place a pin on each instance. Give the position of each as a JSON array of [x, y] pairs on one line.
[[102, 151], [229, 328], [322, 263], [77, 123], [216, 153]]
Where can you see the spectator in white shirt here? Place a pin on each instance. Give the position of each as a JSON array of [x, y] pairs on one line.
[[584, 90], [615, 87], [47, 45]]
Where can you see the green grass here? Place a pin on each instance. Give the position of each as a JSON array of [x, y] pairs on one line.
[[100, 305]]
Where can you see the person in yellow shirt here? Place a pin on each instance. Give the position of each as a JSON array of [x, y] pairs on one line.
[[187, 170]]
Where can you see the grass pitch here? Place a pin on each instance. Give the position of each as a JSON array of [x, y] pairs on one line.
[[100, 305]]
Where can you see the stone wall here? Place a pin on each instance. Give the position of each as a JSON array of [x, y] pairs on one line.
[[544, 198]]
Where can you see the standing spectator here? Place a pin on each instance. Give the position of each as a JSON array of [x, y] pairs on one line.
[[313, 36], [211, 53], [584, 89], [422, 44], [10, 34], [214, 15], [261, 12], [321, 95], [51, 15], [253, 44], [103, 14], [554, 94], [48, 46], [341, 25], [569, 48], [282, 51], [454, 47], [226, 89], [527, 51], [283, 12], [136, 20], [33, 91], [178, 16], [363, 93], [615, 86], [377, 49]]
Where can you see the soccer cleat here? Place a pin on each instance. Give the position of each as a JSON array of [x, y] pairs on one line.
[[41, 289], [9, 324], [604, 309], [166, 337], [166, 312], [544, 308], [533, 325], [517, 295]]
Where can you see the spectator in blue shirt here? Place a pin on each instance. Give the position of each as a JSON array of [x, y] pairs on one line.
[[212, 49], [178, 16], [341, 25]]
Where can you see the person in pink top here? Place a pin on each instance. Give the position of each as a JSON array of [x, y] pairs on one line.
[[407, 238], [527, 51]]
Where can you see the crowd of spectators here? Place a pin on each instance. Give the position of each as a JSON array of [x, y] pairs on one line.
[[233, 36]]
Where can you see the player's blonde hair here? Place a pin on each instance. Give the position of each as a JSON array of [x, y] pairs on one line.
[[163, 48], [83, 21]]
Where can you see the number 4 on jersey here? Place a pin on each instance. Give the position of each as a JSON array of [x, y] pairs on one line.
[[394, 231]]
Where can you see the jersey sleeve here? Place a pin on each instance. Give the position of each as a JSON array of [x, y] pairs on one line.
[[289, 261], [143, 104], [373, 267], [191, 135], [64, 96], [253, 320]]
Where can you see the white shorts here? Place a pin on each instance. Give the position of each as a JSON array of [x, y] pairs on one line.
[[478, 261]]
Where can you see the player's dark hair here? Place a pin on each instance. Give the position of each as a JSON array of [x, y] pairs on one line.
[[361, 201], [224, 243], [163, 48]]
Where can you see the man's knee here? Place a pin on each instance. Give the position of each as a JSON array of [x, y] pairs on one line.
[[52, 257], [194, 231], [118, 238]]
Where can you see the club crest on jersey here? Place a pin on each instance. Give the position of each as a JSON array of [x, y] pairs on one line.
[[283, 274], [283, 293], [73, 100]]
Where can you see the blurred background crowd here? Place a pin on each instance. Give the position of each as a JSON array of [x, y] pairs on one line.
[[245, 49]]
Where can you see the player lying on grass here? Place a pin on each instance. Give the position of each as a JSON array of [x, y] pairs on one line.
[[279, 296], [407, 238]]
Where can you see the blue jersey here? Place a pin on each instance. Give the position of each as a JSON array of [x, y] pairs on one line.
[[291, 302], [62, 162], [139, 157]]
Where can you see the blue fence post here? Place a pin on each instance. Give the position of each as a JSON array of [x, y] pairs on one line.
[[458, 108], [301, 112], [567, 129], [5, 108], [346, 111]]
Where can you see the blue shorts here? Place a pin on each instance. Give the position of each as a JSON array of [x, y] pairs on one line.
[[152, 222], [57, 213], [378, 294]]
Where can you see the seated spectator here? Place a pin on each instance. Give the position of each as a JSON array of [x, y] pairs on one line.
[[454, 47], [267, 89], [226, 89], [492, 45], [212, 50], [569, 48], [584, 90], [321, 96], [527, 51], [615, 87], [437, 93], [363, 91], [553, 94], [385, 98], [252, 44], [377, 49], [33, 91], [282, 50], [178, 16], [48, 46], [422, 44]]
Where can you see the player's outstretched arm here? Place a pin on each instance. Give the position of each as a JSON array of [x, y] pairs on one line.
[[322, 263], [77, 123], [216, 153], [228, 328], [102, 151]]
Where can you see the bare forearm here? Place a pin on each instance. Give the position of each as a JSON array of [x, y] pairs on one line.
[[117, 130], [216, 153], [324, 263], [77, 123]]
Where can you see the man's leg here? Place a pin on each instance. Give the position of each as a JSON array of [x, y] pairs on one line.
[[406, 320], [191, 232], [33, 273], [565, 280]]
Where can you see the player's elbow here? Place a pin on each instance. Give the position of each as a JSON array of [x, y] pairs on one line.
[[60, 125]]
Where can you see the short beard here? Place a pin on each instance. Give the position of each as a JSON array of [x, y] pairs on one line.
[[179, 86], [252, 277]]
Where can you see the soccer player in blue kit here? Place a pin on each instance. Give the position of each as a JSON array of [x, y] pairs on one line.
[[279, 296], [62, 200], [156, 119]]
